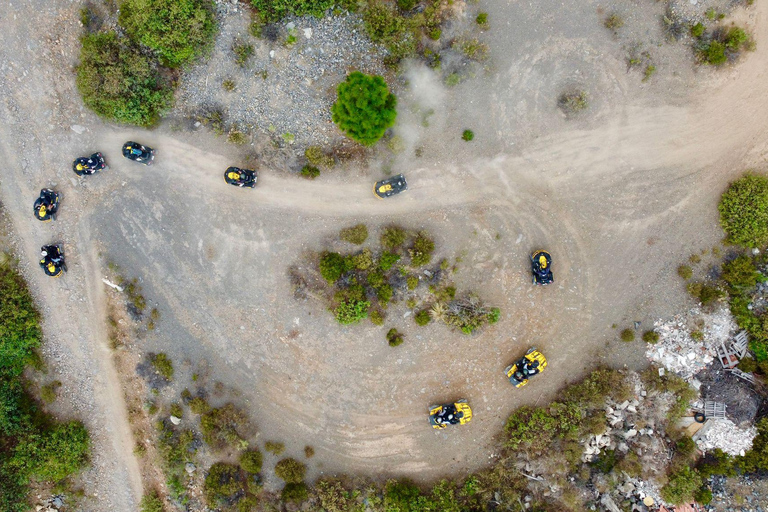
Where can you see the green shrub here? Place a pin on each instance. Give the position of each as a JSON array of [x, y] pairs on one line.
[[744, 211], [421, 251], [151, 502], [275, 10], [295, 492], [685, 271], [250, 461], [49, 391], [351, 311], [220, 427], [199, 405], [162, 364], [364, 108], [385, 25], [377, 317], [412, 282], [406, 5], [387, 260], [468, 135], [332, 266], [309, 452], [703, 496], [393, 237], [228, 85], [310, 172], [740, 273], [243, 52], [713, 53], [422, 317], [362, 260], [394, 338], [682, 486], [290, 471], [572, 103], [627, 335], [494, 315], [613, 22], [401, 496], [534, 428], [222, 483], [54, 454], [735, 39], [274, 447], [176, 410], [120, 83], [384, 294], [355, 235], [697, 30], [482, 19], [706, 294], [316, 157], [756, 459], [651, 337], [179, 30], [471, 48]]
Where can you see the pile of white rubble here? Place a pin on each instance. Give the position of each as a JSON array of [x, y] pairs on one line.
[[724, 434]]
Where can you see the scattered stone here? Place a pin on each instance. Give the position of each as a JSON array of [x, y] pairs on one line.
[[78, 129], [190, 468], [724, 434], [175, 420]]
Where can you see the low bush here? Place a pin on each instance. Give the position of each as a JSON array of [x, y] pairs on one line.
[[393, 237], [377, 317], [221, 426], [422, 317], [199, 405], [295, 492], [364, 108], [309, 452], [162, 364], [394, 338], [651, 337], [756, 459], [274, 447], [572, 103], [704, 293], [685, 272], [355, 235], [613, 22], [243, 52], [318, 158], [387, 260], [351, 311], [740, 273], [362, 260], [290, 471], [119, 83], [744, 211], [49, 391], [472, 48], [251, 460], [421, 250], [535, 428], [179, 30], [222, 484], [310, 172], [627, 335], [697, 30], [271, 11], [482, 19], [681, 486], [332, 266], [151, 502], [468, 135]]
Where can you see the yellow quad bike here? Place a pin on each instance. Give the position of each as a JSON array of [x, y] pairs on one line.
[[457, 413], [390, 186], [532, 363]]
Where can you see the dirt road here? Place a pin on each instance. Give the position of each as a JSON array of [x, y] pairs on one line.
[[620, 198]]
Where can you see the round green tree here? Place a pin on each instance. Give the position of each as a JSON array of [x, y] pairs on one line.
[[364, 108], [178, 29], [119, 83], [744, 211]]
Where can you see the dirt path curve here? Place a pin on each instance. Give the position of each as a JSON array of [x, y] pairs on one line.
[[620, 201]]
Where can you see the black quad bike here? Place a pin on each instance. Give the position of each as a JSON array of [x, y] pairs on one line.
[[240, 177], [138, 153], [52, 260], [390, 186], [87, 165], [47, 205], [541, 267]]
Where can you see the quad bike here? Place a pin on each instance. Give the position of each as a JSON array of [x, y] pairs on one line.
[[532, 363], [52, 260], [47, 205], [85, 166], [541, 267], [138, 153], [390, 186], [240, 177], [458, 413]]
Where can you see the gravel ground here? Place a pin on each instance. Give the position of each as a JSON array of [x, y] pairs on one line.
[[281, 89]]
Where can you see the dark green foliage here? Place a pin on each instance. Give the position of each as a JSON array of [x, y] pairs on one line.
[[703, 496], [119, 83], [422, 317], [384, 294], [199, 405], [364, 108], [394, 337], [351, 311], [494, 315], [222, 483], [400, 496], [393, 237], [388, 259], [670, 383], [715, 462], [221, 427], [243, 52], [744, 211], [650, 337], [422, 249], [697, 30], [685, 271], [162, 364], [627, 335], [250, 461], [706, 294], [274, 447], [535, 428], [20, 331], [316, 157], [682, 486], [377, 317], [310, 172], [740, 273], [735, 38], [332, 266], [55, 454], [614, 22], [596, 387], [295, 492], [290, 471], [355, 235], [179, 30], [362, 260], [713, 53], [605, 462], [151, 502], [482, 19], [468, 135], [275, 10], [756, 459]]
